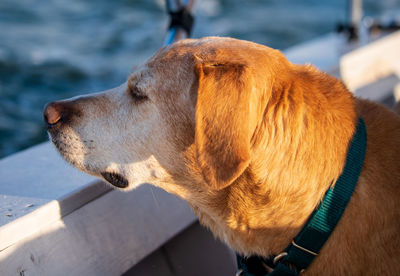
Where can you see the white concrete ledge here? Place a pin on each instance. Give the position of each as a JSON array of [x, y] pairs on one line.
[[104, 237], [48, 213], [33, 177]]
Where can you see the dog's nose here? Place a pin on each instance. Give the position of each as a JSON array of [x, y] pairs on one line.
[[54, 112]]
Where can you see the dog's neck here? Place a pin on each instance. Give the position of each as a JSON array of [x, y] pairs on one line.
[[299, 151]]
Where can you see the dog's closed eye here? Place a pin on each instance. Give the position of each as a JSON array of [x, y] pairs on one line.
[[136, 93]]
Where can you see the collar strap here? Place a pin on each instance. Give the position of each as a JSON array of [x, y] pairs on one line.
[[308, 243]]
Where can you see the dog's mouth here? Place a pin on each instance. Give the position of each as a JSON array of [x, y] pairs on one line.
[[115, 179]]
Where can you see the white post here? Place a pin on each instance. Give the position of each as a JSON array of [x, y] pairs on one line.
[[356, 13]]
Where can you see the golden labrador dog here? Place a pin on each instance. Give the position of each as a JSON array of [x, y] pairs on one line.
[[251, 141]]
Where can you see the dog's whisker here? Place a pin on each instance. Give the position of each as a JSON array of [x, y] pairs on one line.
[[154, 198]]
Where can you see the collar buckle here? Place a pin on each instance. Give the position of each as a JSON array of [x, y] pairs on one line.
[[279, 257]]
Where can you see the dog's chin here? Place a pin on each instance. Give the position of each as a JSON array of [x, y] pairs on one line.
[[69, 148], [115, 179]]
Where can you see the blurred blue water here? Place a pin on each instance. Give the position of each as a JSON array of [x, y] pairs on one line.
[[56, 49]]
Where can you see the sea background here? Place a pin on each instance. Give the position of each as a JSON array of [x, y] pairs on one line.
[[55, 49]]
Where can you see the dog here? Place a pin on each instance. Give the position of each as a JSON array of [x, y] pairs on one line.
[[251, 141]]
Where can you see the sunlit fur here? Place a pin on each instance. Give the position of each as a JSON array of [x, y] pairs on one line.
[[252, 142]]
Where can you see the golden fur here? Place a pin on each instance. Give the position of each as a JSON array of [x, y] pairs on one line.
[[252, 142]]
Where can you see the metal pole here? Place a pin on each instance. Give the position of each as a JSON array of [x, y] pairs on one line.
[[181, 20], [173, 5]]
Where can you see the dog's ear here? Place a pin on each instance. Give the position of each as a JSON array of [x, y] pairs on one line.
[[222, 135]]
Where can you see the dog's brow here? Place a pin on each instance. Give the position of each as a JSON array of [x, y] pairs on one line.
[[134, 76]]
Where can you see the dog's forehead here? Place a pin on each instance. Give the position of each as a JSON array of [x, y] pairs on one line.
[[189, 50], [169, 67], [186, 53]]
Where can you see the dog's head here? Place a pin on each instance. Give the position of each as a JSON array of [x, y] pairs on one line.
[[193, 113], [185, 112]]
